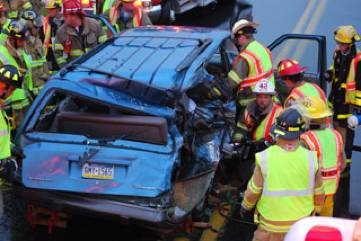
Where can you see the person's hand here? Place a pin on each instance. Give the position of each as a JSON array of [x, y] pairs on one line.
[[17, 152], [243, 212], [228, 149], [352, 122], [8, 168], [328, 75]]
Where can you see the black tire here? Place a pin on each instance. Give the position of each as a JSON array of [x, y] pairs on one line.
[[165, 15]]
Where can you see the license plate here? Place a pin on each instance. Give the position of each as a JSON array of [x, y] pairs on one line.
[[97, 171]]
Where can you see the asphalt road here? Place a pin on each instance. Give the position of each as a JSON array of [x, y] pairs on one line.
[[276, 17]]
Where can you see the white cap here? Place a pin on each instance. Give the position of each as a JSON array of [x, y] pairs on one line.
[[264, 86]]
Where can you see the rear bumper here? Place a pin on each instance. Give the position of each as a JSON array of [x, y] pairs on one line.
[[80, 204]]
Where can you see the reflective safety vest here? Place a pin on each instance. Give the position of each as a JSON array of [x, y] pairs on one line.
[[263, 130], [5, 149], [289, 183], [19, 98], [306, 89], [107, 5], [259, 60], [353, 82], [328, 144]]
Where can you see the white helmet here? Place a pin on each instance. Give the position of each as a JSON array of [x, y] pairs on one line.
[[264, 86], [242, 23]]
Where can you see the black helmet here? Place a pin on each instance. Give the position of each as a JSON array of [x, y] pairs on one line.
[[29, 15], [18, 29], [289, 125], [9, 74]]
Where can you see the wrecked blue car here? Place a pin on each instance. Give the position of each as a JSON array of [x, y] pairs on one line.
[[125, 130]]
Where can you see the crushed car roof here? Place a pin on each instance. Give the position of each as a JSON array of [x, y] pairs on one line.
[[165, 58]]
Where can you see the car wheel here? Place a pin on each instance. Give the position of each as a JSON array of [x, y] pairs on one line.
[[165, 17]]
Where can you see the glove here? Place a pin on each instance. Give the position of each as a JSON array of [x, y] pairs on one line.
[[8, 168], [228, 149], [17, 152], [352, 122], [328, 75], [243, 213]]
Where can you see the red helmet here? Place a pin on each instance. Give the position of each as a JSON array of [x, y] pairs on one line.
[[289, 67], [72, 7]]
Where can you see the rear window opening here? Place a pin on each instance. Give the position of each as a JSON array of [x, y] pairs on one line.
[[69, 114]]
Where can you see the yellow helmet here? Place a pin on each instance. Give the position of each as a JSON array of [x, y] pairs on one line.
[[314, 108], [346, 34], [49, 4]]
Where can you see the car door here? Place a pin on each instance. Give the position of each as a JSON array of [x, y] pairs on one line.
[[308, 50]]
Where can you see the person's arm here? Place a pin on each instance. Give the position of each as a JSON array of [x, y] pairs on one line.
[[319, 192], [241, 129], [59, 54], [341, 156], [239, 72], [100, 33], [254, 189], [145, 20]]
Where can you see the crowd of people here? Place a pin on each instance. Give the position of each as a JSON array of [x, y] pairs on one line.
[[305, 168]]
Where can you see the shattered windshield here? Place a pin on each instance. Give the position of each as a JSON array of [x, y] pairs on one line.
[[66, 113]]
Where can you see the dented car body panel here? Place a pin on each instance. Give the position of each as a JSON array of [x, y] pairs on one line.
[[113, 132]]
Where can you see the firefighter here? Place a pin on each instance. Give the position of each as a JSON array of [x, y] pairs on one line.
[[12, 52], [10, 78], [52, 22], [353, 92], [78, 35], [286, 184], [252, 133], [34, 47], [253, 63], [13, 7], [345, 37], [16, 7], [328, 144], [291, 72], [260, 114], [126, 14]]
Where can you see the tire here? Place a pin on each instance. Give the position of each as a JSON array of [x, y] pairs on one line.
[[165, 17]]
